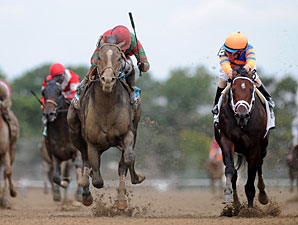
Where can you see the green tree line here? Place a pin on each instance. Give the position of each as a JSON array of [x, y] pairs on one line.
[[176, 128]]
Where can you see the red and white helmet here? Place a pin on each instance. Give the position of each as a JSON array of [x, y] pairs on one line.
[[57, 69], [121, 33]]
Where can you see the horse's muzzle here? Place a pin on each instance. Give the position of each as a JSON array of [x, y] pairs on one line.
[[242, 118], [50, 116]]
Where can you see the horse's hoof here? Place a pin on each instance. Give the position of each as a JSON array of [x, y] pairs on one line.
[[13, 193], [227, 199], [121, 204], [57, 197], [263, 199], [141, 178], [87, 198], [97, 183]]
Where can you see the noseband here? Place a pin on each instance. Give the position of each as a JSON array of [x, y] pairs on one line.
[[243, 103]]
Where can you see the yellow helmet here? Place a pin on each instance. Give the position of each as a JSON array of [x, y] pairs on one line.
[[235, 42]]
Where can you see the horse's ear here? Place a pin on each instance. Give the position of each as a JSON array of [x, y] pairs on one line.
[[100, 42], [121, 44]]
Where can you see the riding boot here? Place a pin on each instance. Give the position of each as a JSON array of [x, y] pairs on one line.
[[268, 97], [81, 89], [215, 104], [130, 79]]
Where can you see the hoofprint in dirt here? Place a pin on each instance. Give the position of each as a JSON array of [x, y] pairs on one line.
[[145, 206]]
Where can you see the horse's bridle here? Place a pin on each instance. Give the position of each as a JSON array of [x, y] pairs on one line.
[[58, 105], [243, 103], [117, 76]]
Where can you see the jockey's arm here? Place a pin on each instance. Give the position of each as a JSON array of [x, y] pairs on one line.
[[250, 56], [133, 50], [225, 64]]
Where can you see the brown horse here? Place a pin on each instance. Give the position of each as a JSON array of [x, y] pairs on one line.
[[242, 129], [8, 140], [215, 173], [106, 119], [58, 142], [293, 168]]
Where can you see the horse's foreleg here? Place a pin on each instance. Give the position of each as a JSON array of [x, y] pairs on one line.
[[234, 186], [228, 158], [129, 158], [252, 167], [121, 201], [8, 173], [56, 172], [65, 167], [94, 158], [263, 198]]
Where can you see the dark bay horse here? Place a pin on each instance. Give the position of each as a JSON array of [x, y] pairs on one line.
[[106, 119], [58, 142], [8, 140], [242, 129], [292, 163]]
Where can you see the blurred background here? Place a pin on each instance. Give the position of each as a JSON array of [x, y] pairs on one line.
[[181, 39]]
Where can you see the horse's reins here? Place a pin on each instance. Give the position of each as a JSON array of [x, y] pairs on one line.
[[243, 103]]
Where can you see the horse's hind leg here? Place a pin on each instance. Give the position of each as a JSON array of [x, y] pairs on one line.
[[263, 198], [129, 158], [8, 173]]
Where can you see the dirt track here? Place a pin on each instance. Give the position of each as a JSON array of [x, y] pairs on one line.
[[146, 206]]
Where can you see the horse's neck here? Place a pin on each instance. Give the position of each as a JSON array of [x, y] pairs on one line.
[[111, 99]]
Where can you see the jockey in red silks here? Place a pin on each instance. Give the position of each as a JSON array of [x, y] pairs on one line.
[[131, 47], [67, 78], [237, 52]]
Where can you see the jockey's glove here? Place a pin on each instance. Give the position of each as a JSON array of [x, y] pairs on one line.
[[141, 66]]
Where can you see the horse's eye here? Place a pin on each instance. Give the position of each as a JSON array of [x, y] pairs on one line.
[[119, 59], [43, 93]]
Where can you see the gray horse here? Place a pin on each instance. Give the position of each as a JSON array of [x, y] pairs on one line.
[[106, 119]]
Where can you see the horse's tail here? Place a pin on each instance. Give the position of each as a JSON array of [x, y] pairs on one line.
[[240, 161]]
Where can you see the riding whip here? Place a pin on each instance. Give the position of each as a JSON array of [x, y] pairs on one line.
[[33, 93], [133, 27]]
